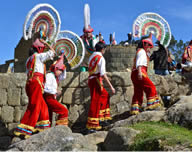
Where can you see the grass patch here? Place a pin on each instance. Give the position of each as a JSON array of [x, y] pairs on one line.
[[153, 132]]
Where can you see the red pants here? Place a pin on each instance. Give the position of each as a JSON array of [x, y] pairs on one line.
[[140, 86], [99, 107], [37, 110], [55, 106]]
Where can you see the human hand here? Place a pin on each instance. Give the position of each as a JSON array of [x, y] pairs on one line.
[[113, 90]]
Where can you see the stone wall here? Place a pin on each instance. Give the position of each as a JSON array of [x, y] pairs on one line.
[[76, 96], [118, 58]]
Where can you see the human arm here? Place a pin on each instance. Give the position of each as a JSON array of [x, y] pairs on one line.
[[50, 47], [104, 75], [109, 83]]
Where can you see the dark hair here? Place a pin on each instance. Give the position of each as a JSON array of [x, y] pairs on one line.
[[99, 46], [32, 50]]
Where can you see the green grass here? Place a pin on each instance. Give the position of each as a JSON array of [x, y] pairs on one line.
[[152, 132]]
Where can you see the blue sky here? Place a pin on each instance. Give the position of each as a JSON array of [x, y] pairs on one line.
[[107, 16]]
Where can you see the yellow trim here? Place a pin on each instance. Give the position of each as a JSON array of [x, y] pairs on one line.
[[20, 133], [108, 118], [144, 75], [96, 119], [134, 112], [42, 89], [136, 105], [26, 127], [93, 122], [62, 122], [93, 127], [153, 106], [43, 122], [105, 110], [151, 100], [101, 86]]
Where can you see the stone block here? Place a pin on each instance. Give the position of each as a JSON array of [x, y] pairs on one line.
[[17, 114], [12, 126], [128, 94], [122, 79], [7, 114], [71, 81], [73, 114], [24, 98], [3, 97], [117, 97], [14, 95], [84, 79], [4, 81], [17, 79], [72, 95], [83, 112], [122, 107], [23, 109], [86, 95]]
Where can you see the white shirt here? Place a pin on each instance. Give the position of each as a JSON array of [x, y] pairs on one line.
[[101, 65], [40, 59], [141, 58], [51, 82]]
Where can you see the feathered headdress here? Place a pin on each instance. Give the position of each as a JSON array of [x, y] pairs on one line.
[[113, 35], [72, 46], [87, 23], [43, 18]]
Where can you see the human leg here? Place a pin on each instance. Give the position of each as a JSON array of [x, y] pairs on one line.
[[55, 106]]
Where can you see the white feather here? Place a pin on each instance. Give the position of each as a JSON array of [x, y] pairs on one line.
[[86, 16], [113, 35]]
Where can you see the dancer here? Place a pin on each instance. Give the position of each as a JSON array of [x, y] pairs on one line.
[[88, 38], [140, 79], [58, 73], [37, 110], [99, 111]]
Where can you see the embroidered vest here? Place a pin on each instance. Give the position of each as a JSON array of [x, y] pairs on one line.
[[30, 66], [93, 64]]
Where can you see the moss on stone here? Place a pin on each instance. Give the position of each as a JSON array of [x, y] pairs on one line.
[[158, 135]]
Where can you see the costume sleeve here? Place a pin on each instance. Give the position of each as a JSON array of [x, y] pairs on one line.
[[94, 41], [102, 65], [50, 84], [45, 56], [141, 59]]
